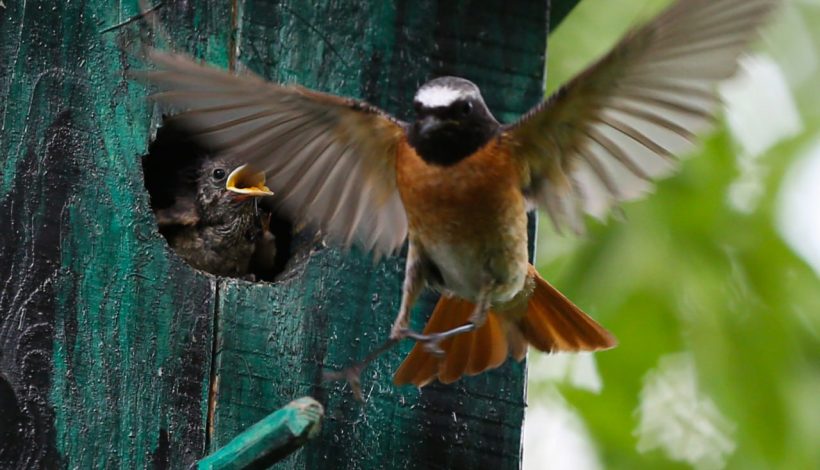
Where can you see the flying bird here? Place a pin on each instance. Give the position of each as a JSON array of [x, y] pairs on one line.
[[217, 229], [457, 184]]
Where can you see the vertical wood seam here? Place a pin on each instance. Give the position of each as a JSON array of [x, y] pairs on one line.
[[213, 386], [233, 39]]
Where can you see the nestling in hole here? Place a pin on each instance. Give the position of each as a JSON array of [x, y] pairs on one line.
[[217, 216]]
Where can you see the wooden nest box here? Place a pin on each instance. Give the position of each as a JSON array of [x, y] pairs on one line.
[[116, 354]]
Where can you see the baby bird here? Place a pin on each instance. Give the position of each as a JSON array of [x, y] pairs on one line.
[[217, 229]]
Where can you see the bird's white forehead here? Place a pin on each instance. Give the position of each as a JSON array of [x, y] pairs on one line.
[[436, 96]]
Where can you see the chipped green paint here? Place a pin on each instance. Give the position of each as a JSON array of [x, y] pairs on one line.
[[121, 367], [106, 338], [271, 439]]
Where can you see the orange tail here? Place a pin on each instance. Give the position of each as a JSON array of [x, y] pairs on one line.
[[550, 323]]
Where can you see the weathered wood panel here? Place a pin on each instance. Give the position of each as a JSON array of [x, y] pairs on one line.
[[274, 341], [105, 337]]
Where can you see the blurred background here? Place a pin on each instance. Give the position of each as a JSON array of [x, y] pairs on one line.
[[710, 284]]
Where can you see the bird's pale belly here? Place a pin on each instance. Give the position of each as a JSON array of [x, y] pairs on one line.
[[466, 270], [469, 220]]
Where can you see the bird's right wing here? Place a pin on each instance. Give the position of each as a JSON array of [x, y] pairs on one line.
[[330, 160], [605, 135]]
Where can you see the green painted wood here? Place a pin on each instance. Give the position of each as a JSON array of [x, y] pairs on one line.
[[269, 440], [274, 341], [105, 336]]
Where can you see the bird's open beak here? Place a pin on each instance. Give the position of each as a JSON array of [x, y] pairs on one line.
[[247, 182]]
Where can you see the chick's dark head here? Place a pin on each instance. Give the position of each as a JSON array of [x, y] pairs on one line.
[[215, 202], [223, 192]]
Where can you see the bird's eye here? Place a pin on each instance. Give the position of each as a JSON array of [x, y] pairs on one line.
[[466, 108], [218, 174]]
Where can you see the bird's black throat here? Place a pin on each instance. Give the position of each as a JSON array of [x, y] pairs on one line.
[[453, 142]]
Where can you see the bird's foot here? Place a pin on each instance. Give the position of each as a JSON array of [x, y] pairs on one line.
[[352, 373], [432, 344], [399, 331], [432, 341]]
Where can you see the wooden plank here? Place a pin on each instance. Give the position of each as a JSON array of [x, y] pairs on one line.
[[105, 336], [274, 341]]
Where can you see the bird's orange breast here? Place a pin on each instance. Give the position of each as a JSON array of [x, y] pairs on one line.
[[482, 190], [468, 215]]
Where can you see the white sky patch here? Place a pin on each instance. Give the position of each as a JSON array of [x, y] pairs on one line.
[[577, 369], [555, 437], [760, 108], [798, 217], [676, 417], [791, 43], [760, 111], [436, 96]]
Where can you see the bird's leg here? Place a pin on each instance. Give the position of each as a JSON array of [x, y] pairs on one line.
[[482, 308], [413, 283], [432, 341]]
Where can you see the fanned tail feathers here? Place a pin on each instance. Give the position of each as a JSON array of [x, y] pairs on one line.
[[468, 353], [551, 323]]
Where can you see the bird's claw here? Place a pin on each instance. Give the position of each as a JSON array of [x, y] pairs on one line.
[[433, 346], [351, 375], [432, 342], [398, 332]]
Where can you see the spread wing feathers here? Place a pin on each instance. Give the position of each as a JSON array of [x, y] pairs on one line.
[[331, 160], [607, 133]]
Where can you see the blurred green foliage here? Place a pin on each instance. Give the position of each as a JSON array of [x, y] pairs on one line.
[[687, 272]]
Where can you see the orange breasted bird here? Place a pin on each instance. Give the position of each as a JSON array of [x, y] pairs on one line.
[[457, 184]]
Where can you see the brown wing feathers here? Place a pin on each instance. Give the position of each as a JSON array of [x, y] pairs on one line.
[[331, 159], [618, 125]]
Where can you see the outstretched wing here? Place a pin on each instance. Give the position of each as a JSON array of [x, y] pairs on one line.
[[608, 132], [330, 160]]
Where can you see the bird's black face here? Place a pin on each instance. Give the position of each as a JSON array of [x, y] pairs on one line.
[[452, 121]]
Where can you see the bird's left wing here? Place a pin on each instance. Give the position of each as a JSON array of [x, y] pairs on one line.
[[605, 135], [330, 160]]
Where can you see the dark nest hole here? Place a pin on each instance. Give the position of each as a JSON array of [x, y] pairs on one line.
[[171, 170]]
